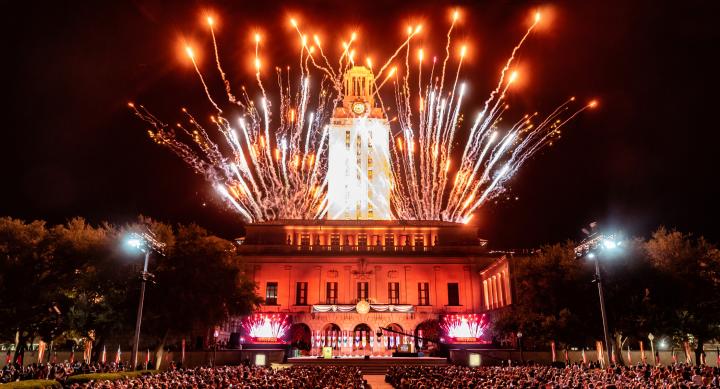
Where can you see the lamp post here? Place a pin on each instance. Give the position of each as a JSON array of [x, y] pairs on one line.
[[651, 337], [519, 337], [144, 242], [591, 247]]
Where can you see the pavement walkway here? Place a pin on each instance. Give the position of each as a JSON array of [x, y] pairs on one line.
[[377, 382]]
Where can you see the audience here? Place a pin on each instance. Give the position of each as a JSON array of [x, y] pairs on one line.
[[573, 376], [241, 377]]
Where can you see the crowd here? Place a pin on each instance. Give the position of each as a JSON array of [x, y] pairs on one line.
[[240, 377], [54, 371], [573, 376]]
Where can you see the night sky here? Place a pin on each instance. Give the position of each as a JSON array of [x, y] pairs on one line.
[[647, 156]]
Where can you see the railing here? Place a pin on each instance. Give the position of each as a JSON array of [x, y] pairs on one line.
[[360, 249]]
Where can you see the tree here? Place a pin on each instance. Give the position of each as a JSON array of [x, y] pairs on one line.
[[93, 277], [686, 292], [28, 283], [554, 300], [198, 284]]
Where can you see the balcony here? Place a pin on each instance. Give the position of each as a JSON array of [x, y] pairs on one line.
[[330, 250]]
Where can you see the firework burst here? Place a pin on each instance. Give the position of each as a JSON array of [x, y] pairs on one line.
[[272, 161]]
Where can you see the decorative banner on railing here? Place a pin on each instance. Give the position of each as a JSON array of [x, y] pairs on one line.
[[381, 308]]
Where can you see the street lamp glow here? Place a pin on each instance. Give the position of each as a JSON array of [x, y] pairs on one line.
[[134, 242], [609, 244], [591, 255]]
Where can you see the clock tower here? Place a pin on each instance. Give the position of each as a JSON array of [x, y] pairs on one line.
[[359, 174]]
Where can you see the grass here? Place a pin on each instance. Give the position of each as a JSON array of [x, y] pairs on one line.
[[80, 378], [32, 384]]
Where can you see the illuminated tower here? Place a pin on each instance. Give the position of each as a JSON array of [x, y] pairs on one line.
[[359, 160]]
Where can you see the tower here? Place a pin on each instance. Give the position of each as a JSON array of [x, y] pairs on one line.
[[359, 174]]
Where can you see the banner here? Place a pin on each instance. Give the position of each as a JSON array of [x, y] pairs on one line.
[[567, 356], [71, 359], [674, 357], [41, 351], [118, 355], [182, 351], [584, 356], [552, 349], [600, 356], [103, 357], [688, 360], [629, 357], [87, 353], [642, 353]]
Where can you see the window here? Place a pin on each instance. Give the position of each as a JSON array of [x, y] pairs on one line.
[[393, 293], [305, 239], [271, 292], [347, 139], [335, 239], [423, 293], [453, 294], [389, 239], [362, 291], [370, 174], [301, 293], [362, 240], [419, 241], [331, 293]]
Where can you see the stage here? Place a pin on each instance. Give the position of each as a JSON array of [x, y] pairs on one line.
[[373, 366]]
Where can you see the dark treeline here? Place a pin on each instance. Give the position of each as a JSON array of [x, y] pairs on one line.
[[668, 285], [75, 282]]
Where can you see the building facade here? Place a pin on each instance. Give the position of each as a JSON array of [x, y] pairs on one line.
[[358, 271]]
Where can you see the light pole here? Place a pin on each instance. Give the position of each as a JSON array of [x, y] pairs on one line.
[[651, 337], [591, 248], [519, 338], [144, 242]]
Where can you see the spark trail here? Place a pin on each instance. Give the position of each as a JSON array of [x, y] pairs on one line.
[[268, 157]]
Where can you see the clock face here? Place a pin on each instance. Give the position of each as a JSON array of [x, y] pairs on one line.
[[358, 108]]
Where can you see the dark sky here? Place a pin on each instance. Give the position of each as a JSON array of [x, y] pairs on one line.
[[647, 156]]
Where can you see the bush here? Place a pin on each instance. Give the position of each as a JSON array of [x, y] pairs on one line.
[[80, 378], [32, 384]]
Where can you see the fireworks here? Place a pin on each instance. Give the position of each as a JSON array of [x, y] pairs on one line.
[[272, 162], [266, 327], [464, 327]]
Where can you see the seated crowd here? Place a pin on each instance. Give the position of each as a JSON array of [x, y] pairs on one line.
[[240, 377], [54, 371], [572, 376]]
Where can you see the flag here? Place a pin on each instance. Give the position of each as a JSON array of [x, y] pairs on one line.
[[147, 358], [674, 357], [118, 355], [552, 348], [41, 351], [8, 358], [702, 358], [182, 352], [599, 348], [567, 357], [642, 352], [612, 356], [72, 356], [629, 357], [103, 357], [687, 352], [584, 356]]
